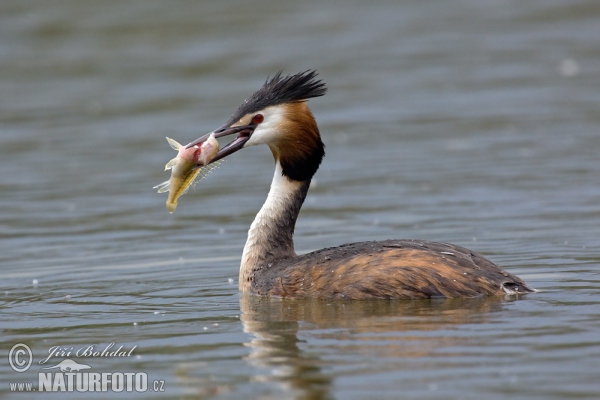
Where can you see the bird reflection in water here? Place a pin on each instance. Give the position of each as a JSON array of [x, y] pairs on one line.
[[285, 347]]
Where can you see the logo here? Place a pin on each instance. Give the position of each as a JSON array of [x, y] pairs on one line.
[[20, 357], [69, 366], [69, 375]]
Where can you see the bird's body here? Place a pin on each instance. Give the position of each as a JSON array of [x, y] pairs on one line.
[[277, 115], [390, 269]]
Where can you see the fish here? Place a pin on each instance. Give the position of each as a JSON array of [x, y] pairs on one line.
[[190, 165]]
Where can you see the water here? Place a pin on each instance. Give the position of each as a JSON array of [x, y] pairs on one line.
[[474, 122]]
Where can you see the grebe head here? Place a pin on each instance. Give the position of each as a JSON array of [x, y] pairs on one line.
[[277, 115]]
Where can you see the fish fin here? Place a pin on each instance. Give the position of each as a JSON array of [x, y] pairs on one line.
[[172, 163], [204, 171], [162, 187], [175, 145]]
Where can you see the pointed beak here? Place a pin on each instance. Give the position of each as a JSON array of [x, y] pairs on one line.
[[243, 135]]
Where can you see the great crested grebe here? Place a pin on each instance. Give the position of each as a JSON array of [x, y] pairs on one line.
[[277, 115]]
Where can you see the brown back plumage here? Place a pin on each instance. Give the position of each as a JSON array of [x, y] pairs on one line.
[[400, 269]]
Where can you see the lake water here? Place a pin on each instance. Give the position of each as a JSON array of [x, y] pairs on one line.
[[470, 122]]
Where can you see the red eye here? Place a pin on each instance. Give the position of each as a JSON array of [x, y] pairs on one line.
[[257, 119]]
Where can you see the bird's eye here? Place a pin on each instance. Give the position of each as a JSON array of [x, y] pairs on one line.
[[257, 119]]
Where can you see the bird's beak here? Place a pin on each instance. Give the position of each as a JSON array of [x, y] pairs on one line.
[[243, 134]]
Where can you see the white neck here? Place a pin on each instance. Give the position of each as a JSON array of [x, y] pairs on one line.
[[270, 237]]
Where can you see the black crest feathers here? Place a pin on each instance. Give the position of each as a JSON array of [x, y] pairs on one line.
[[282, 89]]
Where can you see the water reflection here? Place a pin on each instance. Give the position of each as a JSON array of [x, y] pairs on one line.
[[388, 329]]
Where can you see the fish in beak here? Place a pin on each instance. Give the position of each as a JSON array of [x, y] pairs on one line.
[[193, 162], [243, 135]]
